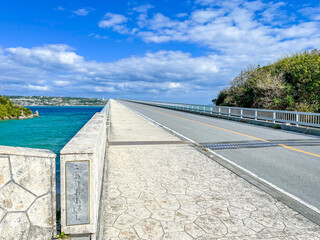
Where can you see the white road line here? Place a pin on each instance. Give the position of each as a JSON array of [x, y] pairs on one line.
[[266, 182], [232, 163]]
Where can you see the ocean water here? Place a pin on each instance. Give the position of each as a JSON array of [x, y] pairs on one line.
[[52, 130]]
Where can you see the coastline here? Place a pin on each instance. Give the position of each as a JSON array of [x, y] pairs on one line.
[[17, 118], [21, 117], [64, 106], [36, 114]]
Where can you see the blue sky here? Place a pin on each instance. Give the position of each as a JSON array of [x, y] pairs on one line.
[[164, 50]]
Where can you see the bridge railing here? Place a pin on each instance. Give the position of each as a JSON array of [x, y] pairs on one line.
[[82, 163], [275, 116]]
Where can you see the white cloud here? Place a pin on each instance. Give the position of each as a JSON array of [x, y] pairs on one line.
[[174, 85], [204, 16], [97, 36], [311, 12], [302, 30], [59, 70], [50, 57], [59, 8], [105, 89], [37, 88], [257, 30], [182, 15], [82, 11], [143, 8], [274, 15], [205, 2], [61, 83], [111, 20]]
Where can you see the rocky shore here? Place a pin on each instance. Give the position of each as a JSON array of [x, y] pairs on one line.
[[22, 116]]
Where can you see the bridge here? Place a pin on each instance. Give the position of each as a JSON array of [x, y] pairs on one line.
[[151, 170], [286, 160]]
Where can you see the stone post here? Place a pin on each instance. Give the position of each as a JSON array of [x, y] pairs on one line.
[[27, 193]]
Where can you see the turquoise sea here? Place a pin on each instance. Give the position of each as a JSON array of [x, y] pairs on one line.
[[52, 130]]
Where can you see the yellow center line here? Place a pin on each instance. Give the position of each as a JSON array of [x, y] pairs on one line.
[[298, 150], [281, 145]]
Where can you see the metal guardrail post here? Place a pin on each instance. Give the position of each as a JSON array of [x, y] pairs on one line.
[[229, 112], [241, 113], [219, 110], [274, 117], [256, 115], [297, 119]]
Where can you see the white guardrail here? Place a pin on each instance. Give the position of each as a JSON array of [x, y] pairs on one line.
[[296, 118]]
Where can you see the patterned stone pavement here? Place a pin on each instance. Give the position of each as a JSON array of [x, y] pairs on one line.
[[175, 192]]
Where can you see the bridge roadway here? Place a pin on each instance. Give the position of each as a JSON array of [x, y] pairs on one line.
[[157, 187], [294, 169]]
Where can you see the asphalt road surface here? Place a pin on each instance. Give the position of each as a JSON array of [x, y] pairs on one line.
[[293, 168]]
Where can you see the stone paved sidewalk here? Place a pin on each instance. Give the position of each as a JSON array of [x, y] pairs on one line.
[[175, 192]]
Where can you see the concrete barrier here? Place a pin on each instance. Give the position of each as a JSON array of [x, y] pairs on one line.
[[27, 193], [82, 167]]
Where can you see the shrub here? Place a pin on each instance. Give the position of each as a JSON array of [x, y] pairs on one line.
[[291, 83]]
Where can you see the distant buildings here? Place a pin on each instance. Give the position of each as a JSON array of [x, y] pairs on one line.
[[56, 101]]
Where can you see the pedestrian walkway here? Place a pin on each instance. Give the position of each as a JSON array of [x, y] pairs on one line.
[[157, 187]]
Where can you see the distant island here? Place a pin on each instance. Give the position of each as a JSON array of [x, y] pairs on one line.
[[56, 101], [291, 83], [10, 110]]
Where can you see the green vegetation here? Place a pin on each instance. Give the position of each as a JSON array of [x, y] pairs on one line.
[[291, 83], [56, 101], [62, 236], [11, 110]]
